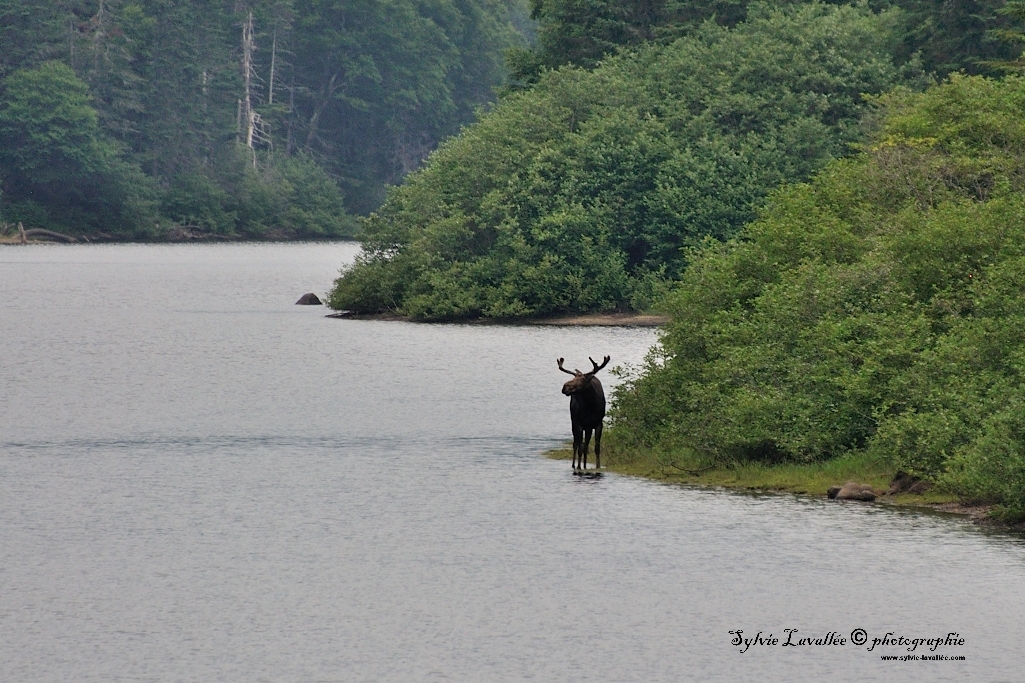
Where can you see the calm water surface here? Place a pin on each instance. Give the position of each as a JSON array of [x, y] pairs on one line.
[[200, 481]]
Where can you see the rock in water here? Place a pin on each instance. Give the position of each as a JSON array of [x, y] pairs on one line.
[[310, 299], [854, 491]]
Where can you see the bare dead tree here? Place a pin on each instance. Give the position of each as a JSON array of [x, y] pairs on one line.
[[273, 59], [255, 130]]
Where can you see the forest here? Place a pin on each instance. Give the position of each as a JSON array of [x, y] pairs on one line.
[[632, 131], [152, 119], [579, 193]]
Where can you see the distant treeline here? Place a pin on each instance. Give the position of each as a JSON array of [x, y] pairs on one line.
[[148, 118]]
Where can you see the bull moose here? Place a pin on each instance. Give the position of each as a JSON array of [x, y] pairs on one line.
[[586, 410]]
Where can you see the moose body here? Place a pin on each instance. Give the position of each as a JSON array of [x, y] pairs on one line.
[[586, 410]]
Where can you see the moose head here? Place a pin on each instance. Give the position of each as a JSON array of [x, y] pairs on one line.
[[580, 381], [586, 410]]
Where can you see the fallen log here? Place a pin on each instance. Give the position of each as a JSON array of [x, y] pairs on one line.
[[40, 232]]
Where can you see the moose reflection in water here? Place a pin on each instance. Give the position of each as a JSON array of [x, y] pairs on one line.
[[586, 410]]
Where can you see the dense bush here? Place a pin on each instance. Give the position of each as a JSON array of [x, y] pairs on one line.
[[580, 193], [946, 35], [365, 88], [880, 307], [57, 168], [285, 197]]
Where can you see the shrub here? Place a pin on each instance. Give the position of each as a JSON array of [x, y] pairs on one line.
[[879, 308]]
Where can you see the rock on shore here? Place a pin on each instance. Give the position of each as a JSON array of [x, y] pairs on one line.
[[852, 491]]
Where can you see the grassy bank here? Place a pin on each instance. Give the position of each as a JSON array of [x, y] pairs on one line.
[[798, 478]]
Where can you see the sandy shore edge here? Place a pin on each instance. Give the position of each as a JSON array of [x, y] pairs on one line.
[[585, 320]]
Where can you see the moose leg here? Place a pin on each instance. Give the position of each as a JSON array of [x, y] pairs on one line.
[[597, 446], [578, 438], [587, 442]]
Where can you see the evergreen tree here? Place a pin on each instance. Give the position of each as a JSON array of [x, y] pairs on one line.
[[56, 166], [954, 35], [363, 89]]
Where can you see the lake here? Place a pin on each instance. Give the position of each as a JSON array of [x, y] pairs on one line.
[[201, 481]]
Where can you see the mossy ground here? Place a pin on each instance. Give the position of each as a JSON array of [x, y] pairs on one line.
[[798, 478]]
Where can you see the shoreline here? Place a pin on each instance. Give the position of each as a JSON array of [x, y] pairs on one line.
[[578, 320], [211, 239], [804, 480]]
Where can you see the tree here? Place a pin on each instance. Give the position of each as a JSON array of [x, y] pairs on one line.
[[383, 81], [953, 35], [1012, 37], [582, 193], [57, 168], [878, 309], [583, 32], [364, 89]]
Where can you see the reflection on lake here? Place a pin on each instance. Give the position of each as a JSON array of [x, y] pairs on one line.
[[200, 481]]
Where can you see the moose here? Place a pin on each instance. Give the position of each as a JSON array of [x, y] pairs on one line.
[[586, 410]]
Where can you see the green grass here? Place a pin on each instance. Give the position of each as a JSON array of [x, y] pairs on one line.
[[799, 478]]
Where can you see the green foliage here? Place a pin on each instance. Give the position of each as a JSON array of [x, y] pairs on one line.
[[364, 89], [313, 204], [196, 201], [954, 35], [991, 466], [374, 85], [290, 197], [48, 127], [583, 32], [945, 35], [57, 168], [579, 194], [878, 309]]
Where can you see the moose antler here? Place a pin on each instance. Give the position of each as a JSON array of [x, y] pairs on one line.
[[596, 366], [574, 373]]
